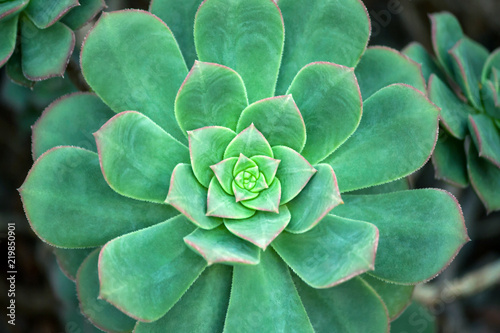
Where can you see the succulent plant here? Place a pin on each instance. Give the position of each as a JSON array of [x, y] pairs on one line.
[[464, 81], [46, 37], [261, 191]]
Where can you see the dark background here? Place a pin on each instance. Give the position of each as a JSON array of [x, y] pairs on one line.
[[45, 299]]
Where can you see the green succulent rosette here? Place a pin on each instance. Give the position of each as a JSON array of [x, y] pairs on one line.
[[464, 81], [210, 200], [37, 36]]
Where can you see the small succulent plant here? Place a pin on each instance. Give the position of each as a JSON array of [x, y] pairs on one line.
[[262, 191], [46, 37], [464, 81]]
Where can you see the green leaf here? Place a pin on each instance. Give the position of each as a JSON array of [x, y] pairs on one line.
[[45, 53], [446, 32], [268, 199], [381, 66], [132, 61], [179, 16], [264, 299], [243, 194], [394, 186], [211, 95], [102, 314], [399, 115], [419, 54], [486, 137], [249, 142], [449, 160], [12, 7], [484, 178], [262, 228], [415, 319], [454, 111], [144, 273], [15, 71], [352, 306], [69, 260], [493, 61], [329, 99], [468, 58], [221, 204], [245, 164], [279, 120], [8, 27], [428, 222], [246, 36], [70, 205], [331, 253], [320, 195], [81, 15], [491, 99], [221, 246], [70, 121], [319, 30], [268, 166], [395, 296], [189, 197], [294, 172], [206, 147], [224, 173], [45, 13], [201, 309], [137, 156]]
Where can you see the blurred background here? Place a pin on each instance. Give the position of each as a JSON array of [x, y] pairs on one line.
[[464, 298]]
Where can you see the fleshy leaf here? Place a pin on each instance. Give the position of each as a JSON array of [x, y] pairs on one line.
[[221, 246], [132, 61], [243, 194], [137, 156], [190, 198], [331, 253], [8, 27], [224, 173], [279, 120], [206, 147], [486, 136], [245, 163], [249, 142], [491, 98], [394, 186], [454, 111], [398, 114], [319, 30], [102, 314], [69, 260], [468, 58], [45, 53], [70, 121], [329, 99], [15, 71], [171, 13], [352, 306], [320, 195], [45, 13], [485, 179], [79, 16], [211, 95], [264, 299], [268, 199], [66, 209], [446, 32], [493, 61], [262, 228], [428, 222], [144, 273], [201, 309], [419, 54], [395, 296], [12, 7], [260, 183], [246, 36], [382, 66], [415, 319], [449, 160], [268, 166], [294, 172], [221, 204]]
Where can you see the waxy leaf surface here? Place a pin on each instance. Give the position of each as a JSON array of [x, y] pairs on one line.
[[268, 199], [446, 32], [8, 27], [132, 61], [224, 173], [449, 160], [12, 7], [69, 260], [77, 17], [486, 136], [221, 204], [249, 142], [419, 54], [146, 272], [45, 13]]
